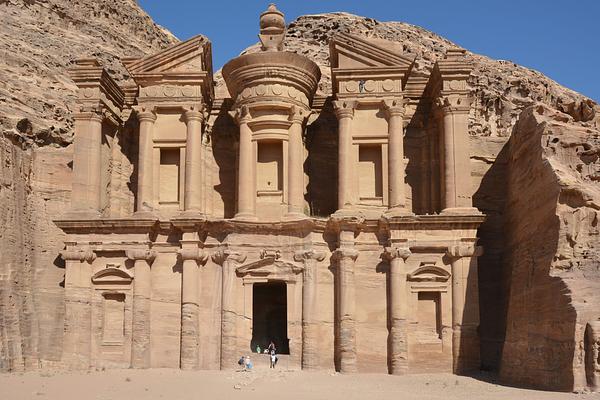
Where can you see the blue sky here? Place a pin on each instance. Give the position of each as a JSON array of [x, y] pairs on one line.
[[558, 38]]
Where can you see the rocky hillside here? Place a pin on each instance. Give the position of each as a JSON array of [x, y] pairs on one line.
[[39, 41], [535, 149]]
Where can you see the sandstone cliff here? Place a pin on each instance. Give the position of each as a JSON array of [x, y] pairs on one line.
[[40, 40], [540, 189]]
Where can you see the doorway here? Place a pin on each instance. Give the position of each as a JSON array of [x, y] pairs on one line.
[[269, 316]]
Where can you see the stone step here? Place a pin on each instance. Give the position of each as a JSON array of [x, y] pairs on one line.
[[262, 361]]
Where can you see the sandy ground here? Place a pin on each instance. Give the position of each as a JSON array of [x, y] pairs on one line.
[[259, 384]]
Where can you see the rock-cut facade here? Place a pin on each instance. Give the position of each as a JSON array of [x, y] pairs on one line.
[[207, 223]]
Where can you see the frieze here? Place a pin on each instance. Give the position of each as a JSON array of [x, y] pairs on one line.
[[272, 90], [369, 86], [170, 91]]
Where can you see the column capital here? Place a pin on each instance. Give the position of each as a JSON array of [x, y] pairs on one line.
[[222, 256], [145, 113], [393, 107], [298, 115], [345, 252], [464, 250], [310, 254], [394, 252], [193, 253], [81, 255], [194, 112], [347, 220], [241, 115], [141, 254], [89, 112], [453, 103], [344, 108]]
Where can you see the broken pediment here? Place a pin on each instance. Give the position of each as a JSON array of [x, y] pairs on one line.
[[353, 52], [187, 64], [365, 68]]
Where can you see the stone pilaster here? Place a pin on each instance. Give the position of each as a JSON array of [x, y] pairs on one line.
[[77, 345], [310, 338], [194, 118], [142, 291], [344, 111], [465, 307], [398, 334], [295, 165], [87, 162], [145, 180], [191, 257], [246, 168], [394, 109], [229, 260]]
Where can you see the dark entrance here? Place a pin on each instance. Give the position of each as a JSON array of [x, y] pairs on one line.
[[269, 316]]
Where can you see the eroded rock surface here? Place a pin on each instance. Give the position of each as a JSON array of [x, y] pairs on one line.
[[552, 249]]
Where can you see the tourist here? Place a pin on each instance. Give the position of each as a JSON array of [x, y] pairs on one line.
[[273, 359], [271, 347], [247, 363], [258, 348]]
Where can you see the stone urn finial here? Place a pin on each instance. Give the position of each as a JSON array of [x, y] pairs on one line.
[[272, 29]]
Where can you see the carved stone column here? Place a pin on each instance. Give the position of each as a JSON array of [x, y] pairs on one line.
[[229, 260], [145, 180], [344, 111], [87, 162], [246, 168], [77, 344], [398, 336], [453, 103], [193, 160], [345, 320], [457, 169], [295, 164], [394, 109], [310, 352], [190, 336], [142, 291], [465, 307]]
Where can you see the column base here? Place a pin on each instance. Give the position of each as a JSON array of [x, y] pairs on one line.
[[398, 212], [81, 214], [294, 216], [461, 211], [245, 217], [144, 214], [191, 214]]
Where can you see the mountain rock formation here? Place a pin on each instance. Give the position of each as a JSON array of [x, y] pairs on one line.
[[535, 154]]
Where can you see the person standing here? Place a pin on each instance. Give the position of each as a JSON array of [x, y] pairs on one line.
[[273, 359]]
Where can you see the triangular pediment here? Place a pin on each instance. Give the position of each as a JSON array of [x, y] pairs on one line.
[[353, 52], [192, 56]]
